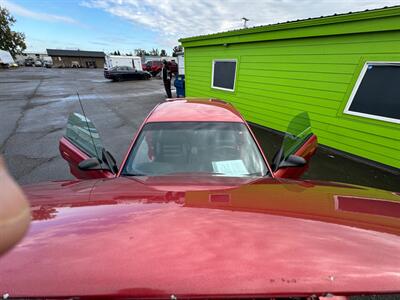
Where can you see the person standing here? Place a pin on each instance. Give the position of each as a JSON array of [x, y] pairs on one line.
[[166, 76]]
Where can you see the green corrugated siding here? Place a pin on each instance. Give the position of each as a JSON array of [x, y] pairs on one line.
[[277, 80]]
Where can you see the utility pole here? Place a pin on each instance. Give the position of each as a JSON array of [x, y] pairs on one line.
[[245, 20]]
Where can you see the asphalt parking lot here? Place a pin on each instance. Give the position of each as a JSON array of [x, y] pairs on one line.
[[35, 104]]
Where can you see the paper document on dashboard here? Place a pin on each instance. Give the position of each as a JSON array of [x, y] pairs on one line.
[[230, 167]]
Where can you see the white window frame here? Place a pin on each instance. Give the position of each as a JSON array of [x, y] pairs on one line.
[[357, 85], [212, 74]]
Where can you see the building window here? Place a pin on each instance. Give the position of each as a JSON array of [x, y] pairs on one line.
[[376, 92], [224, 74]]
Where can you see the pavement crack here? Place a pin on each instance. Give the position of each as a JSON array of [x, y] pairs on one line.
[[36, 163], [24, 108]]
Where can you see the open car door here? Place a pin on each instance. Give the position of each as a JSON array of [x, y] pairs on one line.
[[298, 146], [82, 148]]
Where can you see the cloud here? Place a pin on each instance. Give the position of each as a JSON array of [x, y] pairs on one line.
[[174, 19], [27, 12], [41, 44]]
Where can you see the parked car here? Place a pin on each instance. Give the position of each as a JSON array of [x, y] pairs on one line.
[[153, 67], [38, 63], [223, 145], [196, 211], [48, 64], [125, 73], [29, 62]]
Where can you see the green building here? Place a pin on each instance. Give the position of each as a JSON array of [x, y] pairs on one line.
[[344, 70]]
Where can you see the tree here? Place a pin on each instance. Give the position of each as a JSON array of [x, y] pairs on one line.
[[154, 52], [11, 41], [141, 52], [163, 53], [177, 49], [118, 53]]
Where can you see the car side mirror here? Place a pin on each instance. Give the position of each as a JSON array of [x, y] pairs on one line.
[[90, 164], [293, 161]]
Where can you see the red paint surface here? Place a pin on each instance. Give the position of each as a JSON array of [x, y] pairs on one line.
[[184, 110], [368, 206], [200, 110], [153, 237], [74, 156], [194, 110], [202, 236]]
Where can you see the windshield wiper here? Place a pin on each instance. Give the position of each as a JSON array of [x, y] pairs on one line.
[[254, 174], [133, 174], [191, 173]]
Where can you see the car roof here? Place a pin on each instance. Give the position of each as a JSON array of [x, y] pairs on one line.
[[192, 110]]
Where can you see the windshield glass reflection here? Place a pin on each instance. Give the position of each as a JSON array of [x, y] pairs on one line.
[[209, 148]]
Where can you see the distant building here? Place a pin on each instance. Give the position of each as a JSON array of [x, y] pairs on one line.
[[76, 58]]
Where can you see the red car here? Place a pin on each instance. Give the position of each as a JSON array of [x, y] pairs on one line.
[[196, 211], [155, 67]]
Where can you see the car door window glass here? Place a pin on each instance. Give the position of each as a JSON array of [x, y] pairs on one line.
[[297, 133], [83, 134]]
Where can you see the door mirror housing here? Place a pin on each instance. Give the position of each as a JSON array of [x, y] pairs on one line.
[[93, 163], [293, 161], [90, 164]]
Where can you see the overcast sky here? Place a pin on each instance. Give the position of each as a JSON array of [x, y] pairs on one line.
[[128, 24]]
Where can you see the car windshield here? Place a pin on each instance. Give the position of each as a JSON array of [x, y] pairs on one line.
[[208, 148]]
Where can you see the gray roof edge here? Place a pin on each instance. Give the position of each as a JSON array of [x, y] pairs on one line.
[[76, 53]]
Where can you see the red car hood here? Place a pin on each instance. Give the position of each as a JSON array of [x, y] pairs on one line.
[[217, 237]]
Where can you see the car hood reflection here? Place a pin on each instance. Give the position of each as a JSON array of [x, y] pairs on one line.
[[263, 237]]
